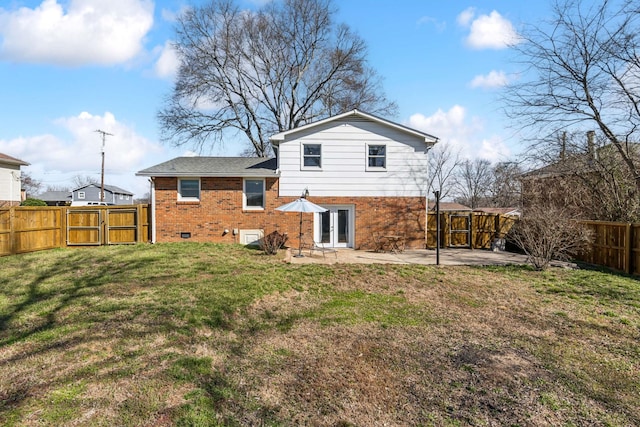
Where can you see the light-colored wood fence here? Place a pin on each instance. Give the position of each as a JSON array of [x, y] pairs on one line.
[[475, 230], [29, 229], [615, 245]]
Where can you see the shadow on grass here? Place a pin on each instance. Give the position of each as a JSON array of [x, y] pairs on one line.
[[87, 271]]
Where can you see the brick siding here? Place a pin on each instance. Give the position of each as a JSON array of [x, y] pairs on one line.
[[220, 208]]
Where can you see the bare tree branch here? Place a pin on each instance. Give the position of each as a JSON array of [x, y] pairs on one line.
[[582, 72], [264, 72]]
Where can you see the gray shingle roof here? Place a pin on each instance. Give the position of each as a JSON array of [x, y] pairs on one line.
[[110, 188], [55, 196], [213, 166]]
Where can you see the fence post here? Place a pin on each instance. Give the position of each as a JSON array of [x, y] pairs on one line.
[[62, 211], [628, 250], [138, 221], [13, 246], [472, 231]]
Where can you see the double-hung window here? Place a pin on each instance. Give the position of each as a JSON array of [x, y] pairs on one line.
[[189, 189], [376, 157], [311, 156], [253, 194], [81, 195]]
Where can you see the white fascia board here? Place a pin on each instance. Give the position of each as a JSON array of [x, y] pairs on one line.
[[428, 139]]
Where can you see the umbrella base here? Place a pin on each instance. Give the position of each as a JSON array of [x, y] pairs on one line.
[[298, 256]]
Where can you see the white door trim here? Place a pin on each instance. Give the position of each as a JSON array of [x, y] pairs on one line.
[[333, 240]]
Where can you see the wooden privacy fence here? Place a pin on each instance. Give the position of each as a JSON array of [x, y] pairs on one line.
[[615, 245], [29, 229], [474, 230]]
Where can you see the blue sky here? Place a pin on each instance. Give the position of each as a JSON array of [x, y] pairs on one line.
[[69, 67]]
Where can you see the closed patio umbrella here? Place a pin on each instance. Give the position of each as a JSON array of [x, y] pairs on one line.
[[301, 205]]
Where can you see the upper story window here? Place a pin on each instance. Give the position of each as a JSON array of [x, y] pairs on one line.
[[311, 156], [81, 194], [376, 157], [253, 194], [189, 189]]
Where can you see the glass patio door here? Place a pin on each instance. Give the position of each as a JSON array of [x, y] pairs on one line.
[[334, 227]]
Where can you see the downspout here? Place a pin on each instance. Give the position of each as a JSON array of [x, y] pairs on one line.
[[152, 195]]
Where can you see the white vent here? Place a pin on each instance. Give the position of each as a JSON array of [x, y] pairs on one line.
[[251, 237]]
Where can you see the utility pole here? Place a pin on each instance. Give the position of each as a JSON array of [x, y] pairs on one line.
[[104, 137]]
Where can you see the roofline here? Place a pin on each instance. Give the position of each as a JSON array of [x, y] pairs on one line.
[[106, 187], [428, 139], [14, 161], [208, 174]]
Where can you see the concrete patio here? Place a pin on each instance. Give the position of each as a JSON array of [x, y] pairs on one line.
[[414, 256]]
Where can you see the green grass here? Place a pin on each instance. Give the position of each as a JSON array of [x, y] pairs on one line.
[[202, 334]]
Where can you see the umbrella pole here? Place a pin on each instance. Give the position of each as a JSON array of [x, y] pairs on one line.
[[300, 238]]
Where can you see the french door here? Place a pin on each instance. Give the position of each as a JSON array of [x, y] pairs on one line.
[[334, 228]]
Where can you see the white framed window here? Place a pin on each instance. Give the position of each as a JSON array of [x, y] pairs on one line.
[[311, 156], [253, 195], [81, 195], [188, 189], [376, 157], [121, 196]]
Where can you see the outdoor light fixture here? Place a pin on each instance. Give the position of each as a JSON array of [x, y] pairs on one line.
[[305, 193]]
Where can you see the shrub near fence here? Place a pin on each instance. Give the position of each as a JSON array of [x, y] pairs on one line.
[[615, 245], [28, 229]]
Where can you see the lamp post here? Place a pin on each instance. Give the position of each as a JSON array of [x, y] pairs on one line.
[[437, 194]]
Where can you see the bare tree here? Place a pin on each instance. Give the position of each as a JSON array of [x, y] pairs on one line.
[[473, 182], [262, 72], [583, 72], [584, 174], [548, 232], [82, 180], [504, 190], [30, 185], [58, 188], [443, 164]]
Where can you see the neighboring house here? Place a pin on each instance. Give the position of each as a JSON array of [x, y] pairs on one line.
[[368, 172], [91, 193], [10, 186], [594, 183], [55, 198]]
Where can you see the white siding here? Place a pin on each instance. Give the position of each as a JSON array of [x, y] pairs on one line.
[[10, 183], [344, 162]]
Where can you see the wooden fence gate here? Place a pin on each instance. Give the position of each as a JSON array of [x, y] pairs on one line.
[[102, 226], [460, 230], [475, 230], [29, 229]]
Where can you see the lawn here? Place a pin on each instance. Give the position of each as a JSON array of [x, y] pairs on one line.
[[197, 335]]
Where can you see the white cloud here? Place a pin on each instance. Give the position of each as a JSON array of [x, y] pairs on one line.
[[168, 63], [465, 17], [463, 134], [100, 32], [492, 80], [494, 149], [440, 26], [56, 160], [491, 31]]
